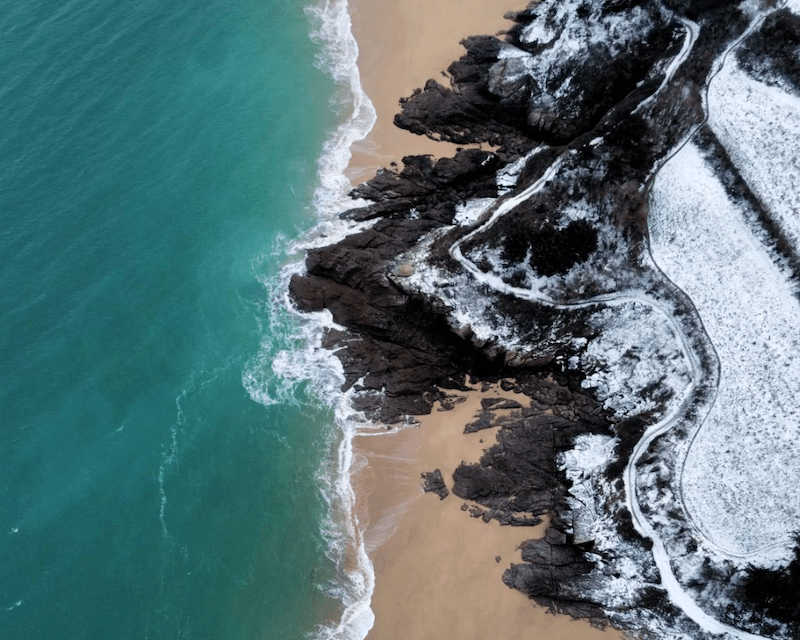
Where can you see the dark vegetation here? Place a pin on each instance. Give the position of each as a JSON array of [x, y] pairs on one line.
[[553, 251], [774, 49], [628, 431], [776, 593], [756, 213]]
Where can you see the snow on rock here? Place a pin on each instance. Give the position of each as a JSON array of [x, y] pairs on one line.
[[567, 24], [559, 36], [508, 176], [754, 121], [469, 212], [583, 466], [470, 309], [636, 363], [741, 474]]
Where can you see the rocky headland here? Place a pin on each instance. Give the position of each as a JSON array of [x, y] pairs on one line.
[[527, 261]]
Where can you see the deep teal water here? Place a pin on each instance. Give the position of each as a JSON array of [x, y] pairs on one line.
[[154, 157]]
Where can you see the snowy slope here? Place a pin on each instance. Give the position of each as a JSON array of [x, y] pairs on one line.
[[741, 472], [636, 363], [754, 121]]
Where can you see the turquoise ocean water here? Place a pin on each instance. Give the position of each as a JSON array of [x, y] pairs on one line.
[[157, 479]]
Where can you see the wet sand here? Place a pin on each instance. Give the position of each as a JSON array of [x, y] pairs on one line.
[[437, 575], [403, 43]]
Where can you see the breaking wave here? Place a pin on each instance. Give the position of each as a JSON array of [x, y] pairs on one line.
[[291, 357]]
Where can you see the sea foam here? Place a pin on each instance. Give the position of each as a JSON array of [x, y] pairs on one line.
[[291, 355]]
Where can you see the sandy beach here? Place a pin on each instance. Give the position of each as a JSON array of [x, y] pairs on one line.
[[438, 570], [403, 43]]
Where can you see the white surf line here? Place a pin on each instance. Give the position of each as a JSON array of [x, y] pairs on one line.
[[676, 593]]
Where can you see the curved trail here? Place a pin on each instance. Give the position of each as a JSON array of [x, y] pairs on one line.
[[687, 329]]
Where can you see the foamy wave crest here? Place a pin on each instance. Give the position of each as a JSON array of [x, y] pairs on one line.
[[332, 30], [279, 330], [356, 576], [291, 356]]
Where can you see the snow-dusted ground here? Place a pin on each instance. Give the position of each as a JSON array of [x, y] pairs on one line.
[[565, 29], [741, 474], [636, 363], [759, 125], [636, 312], [738, 479]]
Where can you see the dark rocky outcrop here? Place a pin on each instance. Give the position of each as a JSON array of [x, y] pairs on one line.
[[433, 482], [517, 479], [552, 567], [489, 100], [430, 188]]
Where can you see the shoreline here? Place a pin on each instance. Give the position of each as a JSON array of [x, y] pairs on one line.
[[414, 315], [402, 45]]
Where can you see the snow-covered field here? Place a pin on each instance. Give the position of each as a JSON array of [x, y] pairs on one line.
[[741, 473], [759, 125]]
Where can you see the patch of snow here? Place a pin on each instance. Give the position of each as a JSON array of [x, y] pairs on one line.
[[538, 33], [604, 271], [508, 176], [562, 20], [636, 363], [741, 474], [469, 212], [754, 121], [583, 465]]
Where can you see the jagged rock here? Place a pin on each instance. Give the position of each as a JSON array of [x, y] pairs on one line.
[[434, 483], [499, 403], [580, 92], [485, 421]]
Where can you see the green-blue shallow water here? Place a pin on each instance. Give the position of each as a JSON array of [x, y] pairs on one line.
[[153, 155]]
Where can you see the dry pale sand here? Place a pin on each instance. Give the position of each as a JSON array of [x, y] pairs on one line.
[[403, 43], [437, 576]]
